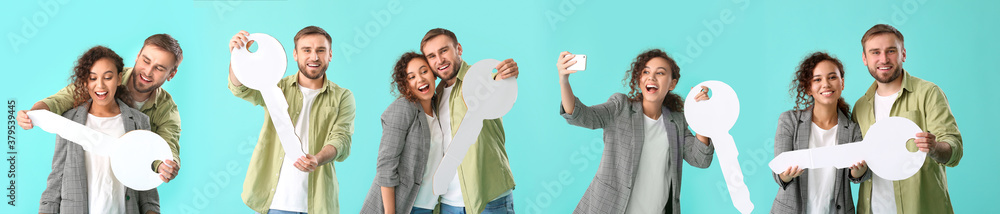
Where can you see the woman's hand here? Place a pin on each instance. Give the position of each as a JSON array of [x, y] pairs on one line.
[[565, 60], [702, 95], [791, 172], [859, 169]]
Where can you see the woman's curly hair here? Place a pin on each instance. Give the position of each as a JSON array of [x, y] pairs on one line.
[[81, 74], [633, 75], [399, 82], [803, 81]]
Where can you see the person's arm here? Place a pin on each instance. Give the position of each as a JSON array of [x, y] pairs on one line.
[[168, 126], [858, 172], [942, 141], [339, 136], [239, 90], [52, 195], [389, 199], [698, 149], [149, 201], [562, 64], [784, 140], [57, 103]]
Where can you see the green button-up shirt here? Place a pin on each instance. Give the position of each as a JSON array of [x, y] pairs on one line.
[[484, 173], [163, 116], [331, 122], [926, 105]]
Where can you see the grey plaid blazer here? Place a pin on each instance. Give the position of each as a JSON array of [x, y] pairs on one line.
[[793, 134], [621, 120], [66, 187], [402, 156]]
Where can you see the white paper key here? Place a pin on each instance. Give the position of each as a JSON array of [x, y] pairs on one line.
[[486, 99], [884, 149], [130, 154], [262, 70], [713, 118]]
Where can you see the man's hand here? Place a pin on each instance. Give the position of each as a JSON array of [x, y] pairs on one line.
[[939, 151], [168, 170], [307, 163], [239, 40], [506, 69]]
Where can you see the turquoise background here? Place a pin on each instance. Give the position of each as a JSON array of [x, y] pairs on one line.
[[950, 43]]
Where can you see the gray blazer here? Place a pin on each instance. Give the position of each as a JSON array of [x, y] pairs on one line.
[[66, 187], [402, 156], [621, 120], [793, 134]]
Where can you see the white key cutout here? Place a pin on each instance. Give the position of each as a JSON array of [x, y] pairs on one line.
[[884, 149], [713, 118], [262, 70], [486, 99], [130, 155]]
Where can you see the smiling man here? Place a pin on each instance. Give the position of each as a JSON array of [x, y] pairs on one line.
[[896, 93], [155, 64], [323, 117], [484, 182]]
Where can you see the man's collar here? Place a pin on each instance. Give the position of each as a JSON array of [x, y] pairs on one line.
[[461, 71], [326, 83], [906, 85]]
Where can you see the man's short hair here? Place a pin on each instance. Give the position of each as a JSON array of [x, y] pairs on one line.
[[312, 30], [437, 32], [880, 29], [168, 43]]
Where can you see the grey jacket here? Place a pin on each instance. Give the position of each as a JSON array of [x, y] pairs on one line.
[[66, 187], [793, 134], [402, 156], [621, 120]]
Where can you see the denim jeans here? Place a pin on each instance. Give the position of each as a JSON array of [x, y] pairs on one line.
[[281, 212], [418, 210], [501, 205]]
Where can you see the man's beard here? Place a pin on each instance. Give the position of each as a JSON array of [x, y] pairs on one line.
[[454, 71], [317, 75], [135, 84], [896, 72]]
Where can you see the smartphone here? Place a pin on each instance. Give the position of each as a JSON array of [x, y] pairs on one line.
[[581, 63]]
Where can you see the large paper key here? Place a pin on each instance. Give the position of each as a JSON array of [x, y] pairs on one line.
[[884, 149], [713, 118], [130, 154], [261, 70], [486, 99]]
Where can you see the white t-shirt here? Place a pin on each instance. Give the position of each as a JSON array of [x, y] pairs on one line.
[[883, 195], [650, 192], [453, 196], [139, 104], [291, 192], [105, 194], [821, 180], [425, 195]]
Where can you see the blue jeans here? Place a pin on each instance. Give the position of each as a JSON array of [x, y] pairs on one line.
[[499, 206], [282, 212], [418, 210]]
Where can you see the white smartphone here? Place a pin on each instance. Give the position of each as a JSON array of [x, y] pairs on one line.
[[581, 63]]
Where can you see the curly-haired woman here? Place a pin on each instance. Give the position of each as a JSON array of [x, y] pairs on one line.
[[820, 118], [81, 181], [645, 138]]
